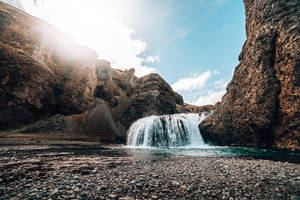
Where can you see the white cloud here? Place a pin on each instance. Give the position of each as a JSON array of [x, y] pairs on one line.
[[143, 70], [215, 72], [212, 97], [219, 82], [192, 83], [95, 24], [153, 59]]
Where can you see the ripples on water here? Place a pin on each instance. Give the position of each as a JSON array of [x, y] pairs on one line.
[[214, 151]]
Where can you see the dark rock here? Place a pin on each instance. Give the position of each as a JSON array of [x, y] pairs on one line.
[[262, 103]]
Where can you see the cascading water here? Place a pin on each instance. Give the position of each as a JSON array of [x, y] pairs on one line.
[[166, 131]]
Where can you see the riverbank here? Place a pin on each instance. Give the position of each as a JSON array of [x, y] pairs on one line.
[[90, 170]]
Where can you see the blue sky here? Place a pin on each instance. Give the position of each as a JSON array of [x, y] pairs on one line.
[[192, 44], [193, 37]]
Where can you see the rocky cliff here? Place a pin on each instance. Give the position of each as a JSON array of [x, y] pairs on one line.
[[262, 103], [45, 77]]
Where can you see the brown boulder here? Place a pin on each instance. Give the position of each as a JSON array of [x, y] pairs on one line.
[[262, 103]]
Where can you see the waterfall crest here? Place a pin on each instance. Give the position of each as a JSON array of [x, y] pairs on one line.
[[166, 131]]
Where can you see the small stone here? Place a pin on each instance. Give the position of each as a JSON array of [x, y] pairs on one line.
[[155, 175], [126, 198], [54, 192], [112, 195], [175, 183], [184, 187]]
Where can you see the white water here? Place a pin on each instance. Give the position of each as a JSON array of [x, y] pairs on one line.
[[178, 130]]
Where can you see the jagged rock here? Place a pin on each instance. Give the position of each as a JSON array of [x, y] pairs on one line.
[[131, 98], [262, 103], [152, 96], [197, 109]]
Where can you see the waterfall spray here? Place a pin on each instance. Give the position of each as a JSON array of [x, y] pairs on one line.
[[166, 131]]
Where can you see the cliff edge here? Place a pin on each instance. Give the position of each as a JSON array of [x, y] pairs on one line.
[[262, 105]]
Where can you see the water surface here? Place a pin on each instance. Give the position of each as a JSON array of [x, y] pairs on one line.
[[214, 151]]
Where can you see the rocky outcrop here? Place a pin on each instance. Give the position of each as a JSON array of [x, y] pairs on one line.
[[131, 98], [188, 108], [59, 86], [40, 73], [262, 103]]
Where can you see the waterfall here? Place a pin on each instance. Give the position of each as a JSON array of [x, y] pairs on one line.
[[166, 131]]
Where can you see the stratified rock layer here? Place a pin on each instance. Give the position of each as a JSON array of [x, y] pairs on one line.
[[46, 78], [262, 103]]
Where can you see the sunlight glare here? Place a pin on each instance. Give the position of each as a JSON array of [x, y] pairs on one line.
[[97, 25]]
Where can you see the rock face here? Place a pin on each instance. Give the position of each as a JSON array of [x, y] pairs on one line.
[[43, 75], [131, 98], [188, 108], [40, 73], [262, 103]]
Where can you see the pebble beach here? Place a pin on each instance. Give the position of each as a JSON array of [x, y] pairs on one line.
[[91, 171]]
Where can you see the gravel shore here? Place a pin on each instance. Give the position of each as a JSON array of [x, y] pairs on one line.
[[88, 171]]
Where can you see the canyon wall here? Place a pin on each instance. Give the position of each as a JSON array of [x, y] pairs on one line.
[[58, 86], [262, 105]]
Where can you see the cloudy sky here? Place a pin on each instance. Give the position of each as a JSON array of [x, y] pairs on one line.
[[192, 44]]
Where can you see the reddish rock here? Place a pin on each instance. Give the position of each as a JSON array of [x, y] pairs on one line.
[[262, 103], [197, 109]]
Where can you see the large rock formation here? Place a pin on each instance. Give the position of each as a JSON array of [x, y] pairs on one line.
[[43, 75], [131, 98], [262, 103], [40, 72]]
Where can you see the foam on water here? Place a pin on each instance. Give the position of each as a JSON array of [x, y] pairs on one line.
[[178, 130]]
